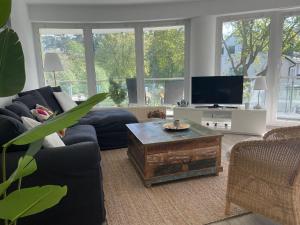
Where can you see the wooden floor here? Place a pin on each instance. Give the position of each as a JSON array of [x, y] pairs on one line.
[[249, 219]]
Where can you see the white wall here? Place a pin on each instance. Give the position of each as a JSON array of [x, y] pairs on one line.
[[159, 11], [203, 43], [22, 25]]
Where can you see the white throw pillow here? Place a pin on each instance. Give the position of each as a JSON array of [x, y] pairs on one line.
[[65, 101], [51, 141]]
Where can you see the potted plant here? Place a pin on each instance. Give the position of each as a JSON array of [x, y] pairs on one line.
[[247, 94], [12, 75], [116, 92]]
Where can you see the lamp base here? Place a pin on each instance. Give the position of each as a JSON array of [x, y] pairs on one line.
[[257, 106]]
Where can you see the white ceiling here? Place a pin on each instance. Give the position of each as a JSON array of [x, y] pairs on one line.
[[106, 2]]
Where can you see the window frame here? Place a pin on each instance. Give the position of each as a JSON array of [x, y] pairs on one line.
[[274, 56], [89, 53]]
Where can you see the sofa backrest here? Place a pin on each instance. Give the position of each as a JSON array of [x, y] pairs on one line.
[[9, 129], [47, 93]]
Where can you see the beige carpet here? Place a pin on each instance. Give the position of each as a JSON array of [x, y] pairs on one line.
[[186, 202]]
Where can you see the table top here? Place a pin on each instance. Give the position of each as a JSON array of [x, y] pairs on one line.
[[154, 133]]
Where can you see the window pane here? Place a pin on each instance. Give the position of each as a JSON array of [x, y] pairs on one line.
[[115, 64], [164, 64], [68, 44], [245, 46], [288, 106]]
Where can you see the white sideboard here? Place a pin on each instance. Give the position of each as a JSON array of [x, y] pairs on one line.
[[239, 121]]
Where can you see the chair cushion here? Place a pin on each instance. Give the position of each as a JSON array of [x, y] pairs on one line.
[[9, 113], [31, 99], [47, 93], [20, 109], [9, 129], [80, 133]]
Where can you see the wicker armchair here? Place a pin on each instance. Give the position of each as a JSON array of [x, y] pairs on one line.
[[264, 176]]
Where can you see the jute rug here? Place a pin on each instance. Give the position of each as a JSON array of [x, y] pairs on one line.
[[187, 202]]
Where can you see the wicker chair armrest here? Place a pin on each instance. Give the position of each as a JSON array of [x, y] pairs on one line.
[[277, 161], [282, 133]]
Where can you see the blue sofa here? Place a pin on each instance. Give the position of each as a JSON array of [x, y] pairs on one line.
[[76, 165], [108, 123]]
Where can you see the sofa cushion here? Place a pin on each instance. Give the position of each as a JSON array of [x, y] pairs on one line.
[[109, 119], [47, 93], [9, 113], [80, 133], [50, 141], [56, 89], [110, 126], [65, 101], [20, 109], [31, 99], [9, 129]]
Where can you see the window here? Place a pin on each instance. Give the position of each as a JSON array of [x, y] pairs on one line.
[[134, 63], [68, 44], [246, 45], [288, 105], [115, 61], [164, 64]]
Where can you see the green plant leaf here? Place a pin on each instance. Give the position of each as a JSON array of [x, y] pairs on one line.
[[30, 201], [4, 186], [26, 166], [5, 8], [12, 68], [59, 122]]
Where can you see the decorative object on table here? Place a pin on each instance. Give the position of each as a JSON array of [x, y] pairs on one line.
[[52, 64], [260, 85], [116, 92], [176, 125], [183, 103], [156, 114]]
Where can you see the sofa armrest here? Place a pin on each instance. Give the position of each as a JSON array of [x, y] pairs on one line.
[[78, 167], [69, 159]]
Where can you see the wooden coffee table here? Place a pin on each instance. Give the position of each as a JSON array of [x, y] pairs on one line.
[[159, 155]]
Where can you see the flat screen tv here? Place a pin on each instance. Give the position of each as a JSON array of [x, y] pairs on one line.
[[227, 90]]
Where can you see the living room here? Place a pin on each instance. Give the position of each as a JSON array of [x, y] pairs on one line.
[[149, 112]]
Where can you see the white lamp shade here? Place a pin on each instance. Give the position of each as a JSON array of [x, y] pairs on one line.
[[260, 84], [52, 62]]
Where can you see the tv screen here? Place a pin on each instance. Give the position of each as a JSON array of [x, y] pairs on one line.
[[217, 90]]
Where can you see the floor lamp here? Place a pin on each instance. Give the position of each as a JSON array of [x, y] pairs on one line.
[[259, 85], [52, 64]]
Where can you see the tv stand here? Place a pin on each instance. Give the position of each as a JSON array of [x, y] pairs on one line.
[[215, 106], [227, 120]]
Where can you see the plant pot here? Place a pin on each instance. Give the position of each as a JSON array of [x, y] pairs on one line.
[[247, 105]]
